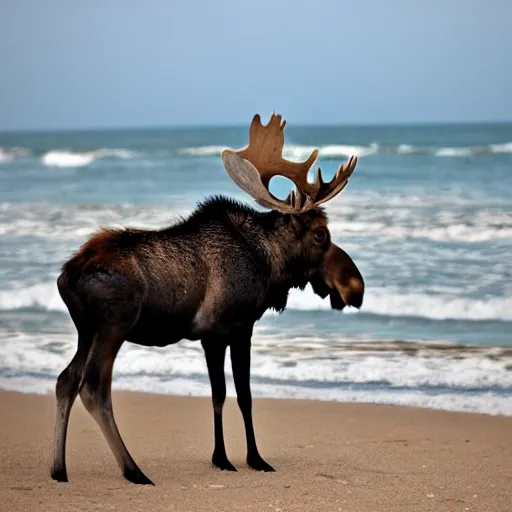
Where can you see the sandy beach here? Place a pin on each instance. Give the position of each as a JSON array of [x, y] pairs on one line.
[[328, 456]]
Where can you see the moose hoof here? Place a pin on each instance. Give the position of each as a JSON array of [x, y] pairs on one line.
[[59, 475], [136, 476], [222, 462], [257, 463]]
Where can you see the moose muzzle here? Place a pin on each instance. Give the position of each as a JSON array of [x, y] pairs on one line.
[[340, 279]]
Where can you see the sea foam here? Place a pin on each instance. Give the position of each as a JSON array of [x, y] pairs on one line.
[[297, 152], [463, 378], [67, 158], [377, 301]]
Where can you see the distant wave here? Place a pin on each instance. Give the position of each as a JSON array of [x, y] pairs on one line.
[[66, 158], [335, 151], [202, 151], [475, 150], [292, 152], [377, 301], [382, 216], [8, 154]]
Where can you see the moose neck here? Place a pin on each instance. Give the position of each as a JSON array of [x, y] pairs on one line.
[[289, 267], [272, 236]]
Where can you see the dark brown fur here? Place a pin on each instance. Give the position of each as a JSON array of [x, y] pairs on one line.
[[209, 277]]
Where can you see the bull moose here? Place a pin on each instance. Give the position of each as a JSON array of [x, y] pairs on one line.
[[208, 277]]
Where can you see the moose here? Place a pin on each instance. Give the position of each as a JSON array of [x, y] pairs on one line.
[[208, 277]]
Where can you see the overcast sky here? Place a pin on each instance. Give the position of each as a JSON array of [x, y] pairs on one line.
[[112, 63]]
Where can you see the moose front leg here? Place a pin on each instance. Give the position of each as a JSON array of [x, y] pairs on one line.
[[241, 365], [215, 352]]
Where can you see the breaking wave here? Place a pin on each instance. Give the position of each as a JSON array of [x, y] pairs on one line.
[[335, 151], [378, 301], [66, 158], [292, 151], [452, 377], [393, 218]]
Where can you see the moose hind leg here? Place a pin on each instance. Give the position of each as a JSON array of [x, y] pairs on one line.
[[97, 398], [66, 391], [215, 352], [241, 366]]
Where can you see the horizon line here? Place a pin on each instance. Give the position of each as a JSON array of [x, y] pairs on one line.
[[239, 125]]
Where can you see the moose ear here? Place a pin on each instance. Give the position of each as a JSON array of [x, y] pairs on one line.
[[340, 278]]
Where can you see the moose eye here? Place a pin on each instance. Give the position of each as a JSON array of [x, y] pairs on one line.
[[320, 235]]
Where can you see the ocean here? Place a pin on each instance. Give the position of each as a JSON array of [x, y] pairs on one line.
[[426, 216]]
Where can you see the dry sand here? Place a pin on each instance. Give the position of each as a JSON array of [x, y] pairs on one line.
[[328, 456]]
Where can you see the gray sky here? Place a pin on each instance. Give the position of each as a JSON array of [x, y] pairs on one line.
[[110, 63]]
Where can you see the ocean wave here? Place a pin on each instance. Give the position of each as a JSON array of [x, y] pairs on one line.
[[406, 149], [384, 302], [68, 158], [465, 232], [8, 154], [330, 152], [501, 148], [378, 301], [482, 403], [41, 296], [475, 150], [456, 152], [378, 216], [75, 222], [202, 151], [297, 152], [445, 377], [292, 151]]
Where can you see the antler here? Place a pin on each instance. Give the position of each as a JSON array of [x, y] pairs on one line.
[[252, 167]]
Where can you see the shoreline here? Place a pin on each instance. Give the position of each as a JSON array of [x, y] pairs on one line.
[[284, 398], [328, 456], [493, 404]]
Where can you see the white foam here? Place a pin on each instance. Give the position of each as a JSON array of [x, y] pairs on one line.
[[301, 153], [5, 156], [456, 232], [468, 380], [66, 158], [377, 301], [389, 303], [487, 403], [438, 221], [475, 150], [297, 152], [455, 152], [337, 363], [75, 222], [42, 295], [202, 151], [501, 148], [406, 149], [392, 217], [292, 151], [340, 150]]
